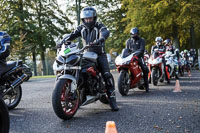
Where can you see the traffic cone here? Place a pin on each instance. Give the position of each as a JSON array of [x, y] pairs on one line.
[[110, 127], [177, 87], [189, 74]]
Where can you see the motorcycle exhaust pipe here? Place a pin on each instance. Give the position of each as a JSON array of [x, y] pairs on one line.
[[17, 82]]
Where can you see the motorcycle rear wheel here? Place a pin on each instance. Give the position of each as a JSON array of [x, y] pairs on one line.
[[13, 98], [65, 103], [4, 117], [123, 85]]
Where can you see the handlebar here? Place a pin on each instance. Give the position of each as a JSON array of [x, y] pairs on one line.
[[89, 46]]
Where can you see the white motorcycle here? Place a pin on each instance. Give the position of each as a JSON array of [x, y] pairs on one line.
[[172, 64]]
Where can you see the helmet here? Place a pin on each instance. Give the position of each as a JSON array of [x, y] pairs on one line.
[[159, 39], [185, 51], [88, 12], [167, 41], [4, 38], [176, 50], [134, 32]]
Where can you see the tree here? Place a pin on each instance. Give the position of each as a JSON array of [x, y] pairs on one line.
[[33, 25], [166, 18]]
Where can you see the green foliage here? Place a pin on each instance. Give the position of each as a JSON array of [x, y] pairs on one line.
[[33, 25], [166, 18]]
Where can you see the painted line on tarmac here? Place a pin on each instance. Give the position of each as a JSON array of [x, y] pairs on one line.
[[46, 80]]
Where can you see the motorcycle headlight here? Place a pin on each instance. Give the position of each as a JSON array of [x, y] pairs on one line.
[[57, 67], [126, 63], [60, 60]]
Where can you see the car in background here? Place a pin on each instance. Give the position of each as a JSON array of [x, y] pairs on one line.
[[28, 72], [110, 61]]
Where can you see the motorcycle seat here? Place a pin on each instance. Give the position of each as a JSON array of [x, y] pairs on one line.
[[8, 66]]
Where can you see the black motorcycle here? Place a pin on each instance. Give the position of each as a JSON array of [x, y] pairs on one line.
[[10, 83], [78, 81]]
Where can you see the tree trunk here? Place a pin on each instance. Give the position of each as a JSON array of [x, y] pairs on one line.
[[42, 55], [192, 37], [34, 63], [176, 42]]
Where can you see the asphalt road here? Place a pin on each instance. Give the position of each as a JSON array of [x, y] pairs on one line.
[[159, 111]]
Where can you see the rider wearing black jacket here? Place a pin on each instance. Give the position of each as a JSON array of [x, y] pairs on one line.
[[4, 50], [94, 33], [159, 46], [137, 44]]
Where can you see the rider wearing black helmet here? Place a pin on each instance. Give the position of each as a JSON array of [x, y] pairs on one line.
[[96, 33], [4, 50], [137, 44]]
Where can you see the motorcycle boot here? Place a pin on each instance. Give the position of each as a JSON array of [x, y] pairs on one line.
[[146, 84], [111, 91], [145, 70]]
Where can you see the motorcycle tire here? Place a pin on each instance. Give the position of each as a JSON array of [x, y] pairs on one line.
[[17, 99], [104, 99], [122, 86], [154, 77], [59, 100], [4, 117], [141, 87]]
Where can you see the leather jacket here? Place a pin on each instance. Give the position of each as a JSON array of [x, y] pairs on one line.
[[161, 48], [99, 31], [136, 45]]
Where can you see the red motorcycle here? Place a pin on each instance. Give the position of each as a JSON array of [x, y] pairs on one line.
[[131, 75], [156, 68]]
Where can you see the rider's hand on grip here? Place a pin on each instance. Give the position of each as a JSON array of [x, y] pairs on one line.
[[98, 41]]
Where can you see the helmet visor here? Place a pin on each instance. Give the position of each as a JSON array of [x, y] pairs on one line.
[[88, 14]]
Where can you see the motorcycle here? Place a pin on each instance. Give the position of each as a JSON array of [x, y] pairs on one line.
[[181, 66], [172, 64], [10, 83], [131, 74], [78, 81], [146, 57], [156, 67], [187, 66], [4, 117]]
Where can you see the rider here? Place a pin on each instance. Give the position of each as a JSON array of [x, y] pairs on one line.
[[186, 56], [169, 46], [193, 54], [160, 47], [137, 44], [95, 33], [4, 50]]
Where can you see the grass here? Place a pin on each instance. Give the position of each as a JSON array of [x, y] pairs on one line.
[[46, 76]]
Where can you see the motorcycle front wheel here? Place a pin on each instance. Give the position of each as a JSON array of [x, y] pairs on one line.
[[13, 97], [124, 83], [65, 102], [104, 99], [154, 76], [4, 117]]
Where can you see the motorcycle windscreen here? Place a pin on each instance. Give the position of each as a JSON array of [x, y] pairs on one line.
[[125, 53]]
